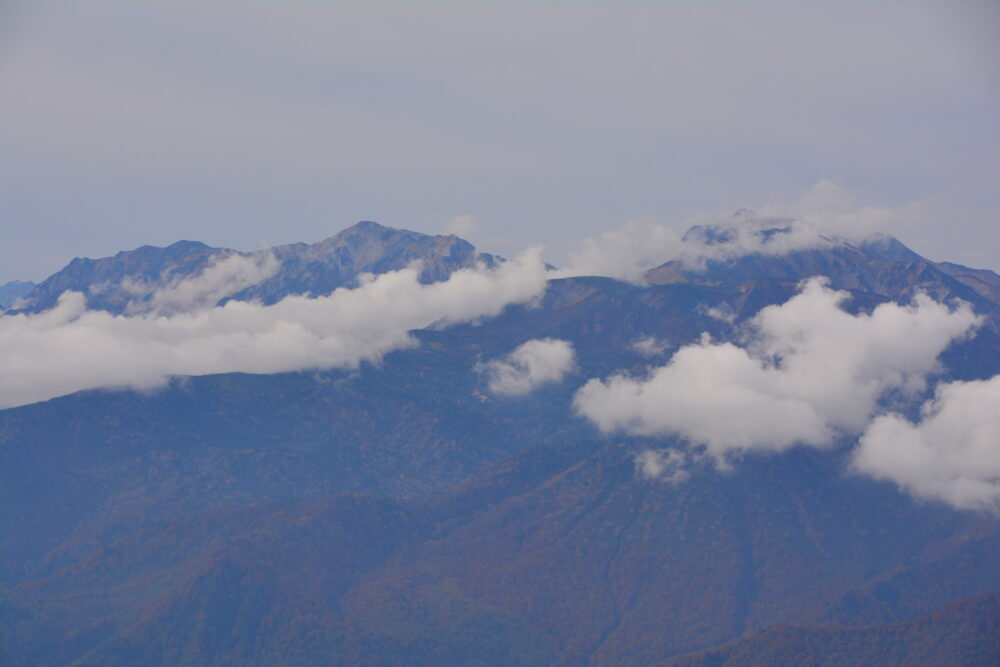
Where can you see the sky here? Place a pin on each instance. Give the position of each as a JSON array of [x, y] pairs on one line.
[[252, 124]]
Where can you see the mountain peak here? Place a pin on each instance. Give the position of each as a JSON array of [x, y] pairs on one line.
[[374, 230], [368, 227], [317, 268], [888, 247], [177, 247], [11, 291], [765, 231]]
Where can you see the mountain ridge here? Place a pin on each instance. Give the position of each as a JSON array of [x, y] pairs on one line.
[[402, 513], [124, 282], [884, 267], [961, 632], [12, 291]]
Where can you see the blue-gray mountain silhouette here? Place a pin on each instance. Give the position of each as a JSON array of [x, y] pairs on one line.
[[400, 514], [127, 279]]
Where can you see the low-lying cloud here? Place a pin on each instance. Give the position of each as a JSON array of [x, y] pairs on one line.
[[952, 454], [824, 215], [226, 273], [666, 465], [224, 277], [529, 366], [69, 348], [624, 253], [813, 371], [650, 346]]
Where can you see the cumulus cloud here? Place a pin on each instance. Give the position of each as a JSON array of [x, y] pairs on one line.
[[624, 253], [529, 366], [69, 348], [829, 209], [667, 465], [226, 274], [223, 277], [952, 454], [812, 371], [824, 215], [650, 346], [464, 226]]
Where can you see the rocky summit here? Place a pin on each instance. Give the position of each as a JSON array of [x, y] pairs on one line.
[[126, 282]]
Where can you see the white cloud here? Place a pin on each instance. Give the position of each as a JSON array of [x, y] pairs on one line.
[[828, 208], [814, 370], [824, 215], [227, 273], [650, 346], [465, 226], [952, 454], [69, 348], [223, 277], [531, 365], [665, 464], [624, 253], [722, 313]]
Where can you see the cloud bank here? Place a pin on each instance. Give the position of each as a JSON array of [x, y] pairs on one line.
[[225, 275], [624, 253], [69, 348], [666, 465], [650, 346], [952, 454], [824, 215], [812, 372], [222, 278], [529, 366]]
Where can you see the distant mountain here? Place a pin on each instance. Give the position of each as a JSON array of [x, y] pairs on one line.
[[881, 266], [128, 281], [403, 514], [367, 247], [112, 283], [14, 290], [966, 632]]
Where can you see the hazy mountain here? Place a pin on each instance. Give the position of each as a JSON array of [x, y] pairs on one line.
[[14, 290], [882, 266], [128, 281], [111, 283], [367, 247], [966, 632], [403, 513]]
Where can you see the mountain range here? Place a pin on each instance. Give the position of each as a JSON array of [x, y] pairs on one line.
[[407, 512], [11, 291], [127, 281]]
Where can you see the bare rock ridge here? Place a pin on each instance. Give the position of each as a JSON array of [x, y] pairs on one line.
[[124, 281], [366, 247], [881, 265], [108, 281]]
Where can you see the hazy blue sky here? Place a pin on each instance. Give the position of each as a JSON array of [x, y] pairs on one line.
[[244, 124]]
